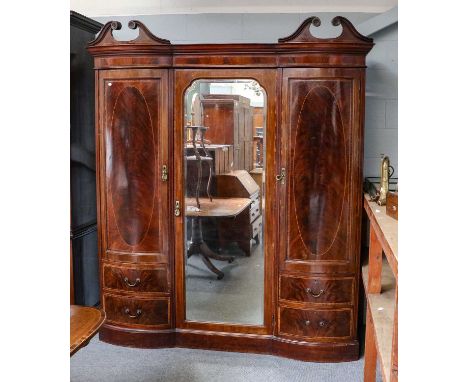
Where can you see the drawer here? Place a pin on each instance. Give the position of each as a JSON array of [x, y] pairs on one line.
[[133, 279], [136, 311], [257, 227], [254, 211], [255, 198], [316, 323], [317, 289]]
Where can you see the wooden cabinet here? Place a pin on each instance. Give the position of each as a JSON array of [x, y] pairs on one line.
[[313, 131], [133, 198], [246, 227], [229, 119]]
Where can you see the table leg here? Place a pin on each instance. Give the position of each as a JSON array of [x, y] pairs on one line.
[[375, 263], [394, 372], [198, 246], [370, 355]]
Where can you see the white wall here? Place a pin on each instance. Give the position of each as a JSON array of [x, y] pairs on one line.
[[381, 134]]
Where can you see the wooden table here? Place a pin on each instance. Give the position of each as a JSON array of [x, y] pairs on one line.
[[84, 324], [380, 279], [217, 208]]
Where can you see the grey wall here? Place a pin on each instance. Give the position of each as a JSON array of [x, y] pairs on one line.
[[382, 101], [382, 75]]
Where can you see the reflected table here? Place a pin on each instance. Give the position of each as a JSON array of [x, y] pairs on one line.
[[217, 208]]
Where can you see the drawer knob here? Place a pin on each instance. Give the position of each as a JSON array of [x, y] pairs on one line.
[[308, 290], [138, 313], [131, 285], [307, 322], [322, 323]]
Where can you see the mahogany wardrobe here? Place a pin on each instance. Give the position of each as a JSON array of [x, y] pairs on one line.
[[304, 199]]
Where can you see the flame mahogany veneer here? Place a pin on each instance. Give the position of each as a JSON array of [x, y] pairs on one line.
[[314, 127]]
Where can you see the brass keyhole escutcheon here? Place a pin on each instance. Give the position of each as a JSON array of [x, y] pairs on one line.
[[282, 176], [164, 175], [177, 208]]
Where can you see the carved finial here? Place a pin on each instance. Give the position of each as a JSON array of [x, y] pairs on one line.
[[336, 21], [316, 21], [116, 25], [302, 34]]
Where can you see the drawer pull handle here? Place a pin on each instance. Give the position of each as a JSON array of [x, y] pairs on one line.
[[131, 285], [308, 290], [138, 313], [322, 323], [307, 323]]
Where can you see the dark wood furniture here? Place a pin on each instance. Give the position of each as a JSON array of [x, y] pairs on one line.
[[84, 324], [248, 224], [380, 278], [83, 229], [227, 209], [229, 118], [313, 178]]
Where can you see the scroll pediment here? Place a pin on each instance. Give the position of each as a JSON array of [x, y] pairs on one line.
[[303, 34], [145, 37]]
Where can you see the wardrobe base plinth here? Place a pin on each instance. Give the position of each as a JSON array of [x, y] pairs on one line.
[[231, 342], [316, 352], [137, 338]]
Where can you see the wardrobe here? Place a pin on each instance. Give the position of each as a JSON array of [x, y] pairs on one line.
[[313, 93]]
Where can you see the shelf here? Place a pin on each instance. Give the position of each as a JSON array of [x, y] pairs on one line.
[[382, 308], [386, 229]]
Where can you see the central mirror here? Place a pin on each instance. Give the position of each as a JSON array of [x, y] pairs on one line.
[[224, 168]]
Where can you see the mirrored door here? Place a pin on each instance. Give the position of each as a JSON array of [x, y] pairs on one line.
[[224, 147]]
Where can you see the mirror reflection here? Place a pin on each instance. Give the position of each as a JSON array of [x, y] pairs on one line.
[[224, 201]]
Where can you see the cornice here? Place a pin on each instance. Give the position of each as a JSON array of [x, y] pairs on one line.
[[350, 41]]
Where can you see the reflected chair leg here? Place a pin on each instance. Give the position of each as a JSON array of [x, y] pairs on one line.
[[211, 267]]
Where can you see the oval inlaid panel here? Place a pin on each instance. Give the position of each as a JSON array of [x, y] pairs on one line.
[[319, 161], [131, 175]]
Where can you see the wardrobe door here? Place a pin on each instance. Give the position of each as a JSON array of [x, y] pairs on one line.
[[134, 196], [321, 155], [134, 149], [321, 158]]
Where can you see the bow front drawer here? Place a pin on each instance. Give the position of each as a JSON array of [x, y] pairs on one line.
[[317, 289], [136, 311], [135, 279], [316, 323]]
